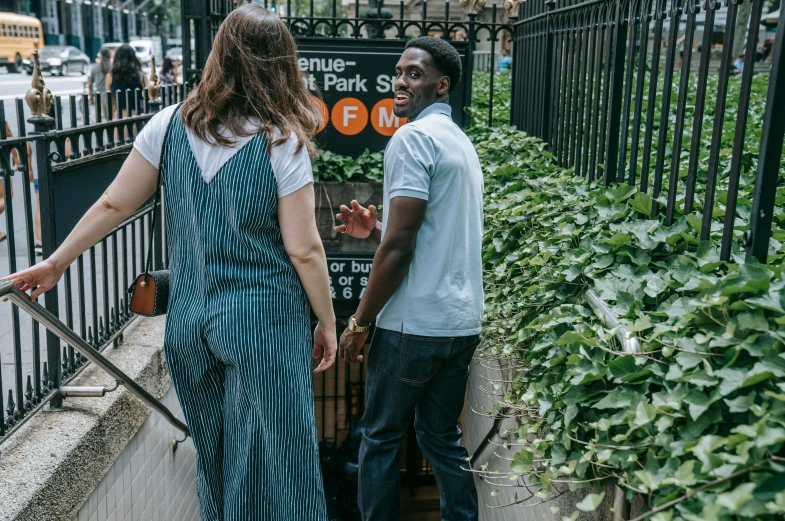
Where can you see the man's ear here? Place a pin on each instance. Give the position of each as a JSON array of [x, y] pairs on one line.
[[443, 85]]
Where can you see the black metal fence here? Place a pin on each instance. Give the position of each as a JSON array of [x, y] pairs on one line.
[[202, 18], [609, 85], [73, 165]]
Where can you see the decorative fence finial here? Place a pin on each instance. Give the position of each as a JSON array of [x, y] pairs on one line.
[[511, 7], [154, 85], [474, 6], [38, 98]]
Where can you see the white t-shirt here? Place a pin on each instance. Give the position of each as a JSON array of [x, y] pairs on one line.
[[292, 169]]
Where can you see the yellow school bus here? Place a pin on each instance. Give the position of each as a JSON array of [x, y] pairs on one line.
[[19, 36]]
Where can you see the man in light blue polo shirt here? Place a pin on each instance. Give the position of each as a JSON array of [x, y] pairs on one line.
[[425, 290]]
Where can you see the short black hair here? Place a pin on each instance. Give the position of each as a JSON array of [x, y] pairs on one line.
[[444, 56]]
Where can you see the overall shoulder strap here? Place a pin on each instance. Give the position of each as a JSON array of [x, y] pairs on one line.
[[161, 163]]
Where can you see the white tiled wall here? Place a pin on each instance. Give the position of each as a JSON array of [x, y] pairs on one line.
[[148, 482]]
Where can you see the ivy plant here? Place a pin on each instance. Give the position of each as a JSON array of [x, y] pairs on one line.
[[695, 423]]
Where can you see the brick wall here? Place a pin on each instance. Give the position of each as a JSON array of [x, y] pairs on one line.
[[148, 482]]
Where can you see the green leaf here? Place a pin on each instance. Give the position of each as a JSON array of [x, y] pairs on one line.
[[522, 462], [590, 502], [618, 398], [685, 476], [695, 222], [731, 379], [647, 478], [736, 498], [622, 366], [741, 403], [644, 414], [749, 279], [641, 203], [699, 403], [752, 321]]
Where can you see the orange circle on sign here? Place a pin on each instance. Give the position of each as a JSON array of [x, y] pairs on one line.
[[384, 120], [324, 110], [349, 116]]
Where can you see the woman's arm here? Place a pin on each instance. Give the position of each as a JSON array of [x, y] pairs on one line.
[[297, 218], [135, 183]]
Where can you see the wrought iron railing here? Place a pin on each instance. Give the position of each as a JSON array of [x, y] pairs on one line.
[[88, 352], [73, 165], [608, 84], [202, 18]]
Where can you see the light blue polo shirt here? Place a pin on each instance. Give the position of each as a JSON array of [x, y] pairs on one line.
[[431, 158]]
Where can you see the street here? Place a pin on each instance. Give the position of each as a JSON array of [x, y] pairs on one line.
[[13, 86]]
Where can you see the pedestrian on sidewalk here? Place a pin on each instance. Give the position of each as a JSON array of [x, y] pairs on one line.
[[126, 75], [15, 161], [425, 290], [96, 82], [168, 73], [245, 261]]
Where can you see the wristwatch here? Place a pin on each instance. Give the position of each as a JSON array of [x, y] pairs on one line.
[[354, 328]]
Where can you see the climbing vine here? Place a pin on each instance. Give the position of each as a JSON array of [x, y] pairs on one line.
[[695, 423]]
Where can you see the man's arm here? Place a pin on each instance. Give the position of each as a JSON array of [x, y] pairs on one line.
[[376, 234], [392, 259], [390, 265]]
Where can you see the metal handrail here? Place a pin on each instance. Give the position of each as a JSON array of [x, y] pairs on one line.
[[53, 324], [629, 342]]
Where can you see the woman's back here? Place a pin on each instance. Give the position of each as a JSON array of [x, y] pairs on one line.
[[222, 202]]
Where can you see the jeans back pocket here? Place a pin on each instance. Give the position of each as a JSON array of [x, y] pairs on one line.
[[421, 357]]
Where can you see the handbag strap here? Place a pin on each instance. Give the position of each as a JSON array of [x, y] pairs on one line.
[[149, 263]]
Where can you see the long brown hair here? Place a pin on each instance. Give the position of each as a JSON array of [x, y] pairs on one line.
[[252, 73]]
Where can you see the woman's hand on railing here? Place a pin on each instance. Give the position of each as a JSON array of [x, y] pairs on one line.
[[40, 278], [325, 344]]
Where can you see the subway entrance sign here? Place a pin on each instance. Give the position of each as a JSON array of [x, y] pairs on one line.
[[355, 79]]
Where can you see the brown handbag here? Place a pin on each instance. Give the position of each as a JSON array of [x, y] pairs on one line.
[[149, 293]]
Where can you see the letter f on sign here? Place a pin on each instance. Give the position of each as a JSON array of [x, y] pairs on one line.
[[349, 116], [349, 113]]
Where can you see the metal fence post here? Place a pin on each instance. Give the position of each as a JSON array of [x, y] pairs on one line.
[[545, 134], [39, 99], [759, 234], [616, 96], [467, 74]]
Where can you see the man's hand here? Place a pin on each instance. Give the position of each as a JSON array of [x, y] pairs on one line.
[[357, 221], [351, 345]]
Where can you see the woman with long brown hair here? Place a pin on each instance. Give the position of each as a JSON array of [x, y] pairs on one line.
[[245, 262]]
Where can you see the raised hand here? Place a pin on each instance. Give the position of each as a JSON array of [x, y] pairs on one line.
[[41, 278], [358, 222]]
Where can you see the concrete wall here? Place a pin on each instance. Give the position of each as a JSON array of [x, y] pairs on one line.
[[74, 462], [476, 426], [148, 482]]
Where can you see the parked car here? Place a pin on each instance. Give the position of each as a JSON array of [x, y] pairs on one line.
[[60, 59], [175, 54], [112, 46], [144, 51]]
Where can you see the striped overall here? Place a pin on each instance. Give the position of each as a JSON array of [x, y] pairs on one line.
[[238, 339]]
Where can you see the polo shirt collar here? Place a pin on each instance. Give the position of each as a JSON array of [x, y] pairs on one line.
[[435, 108]]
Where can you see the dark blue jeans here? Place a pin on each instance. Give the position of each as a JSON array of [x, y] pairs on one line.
[[424, 377]]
